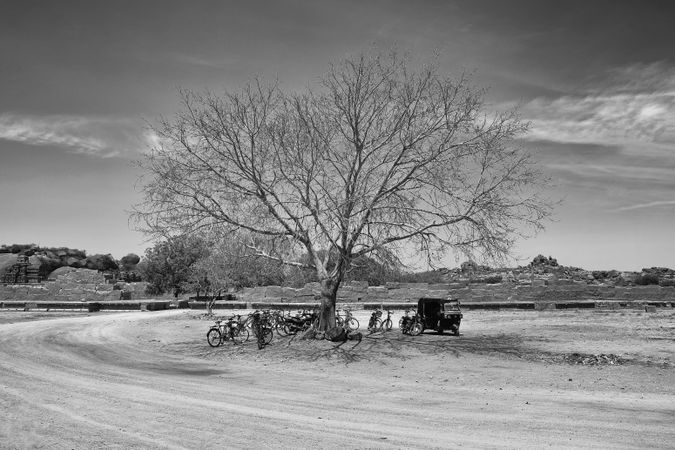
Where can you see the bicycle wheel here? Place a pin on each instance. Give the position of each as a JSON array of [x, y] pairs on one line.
[[240, 335], [264, 337], [415, 329], [387, 325], [267, 334], [214, 338], [352, 324], [281, 329]]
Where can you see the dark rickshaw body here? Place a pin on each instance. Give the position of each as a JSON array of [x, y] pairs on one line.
[[440, 314]]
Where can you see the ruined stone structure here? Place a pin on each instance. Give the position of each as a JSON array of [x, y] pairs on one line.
[[22, 272]]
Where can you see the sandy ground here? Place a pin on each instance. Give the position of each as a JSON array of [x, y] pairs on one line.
[[512, 379]]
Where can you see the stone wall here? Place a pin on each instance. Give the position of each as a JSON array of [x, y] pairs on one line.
[[466, 292]]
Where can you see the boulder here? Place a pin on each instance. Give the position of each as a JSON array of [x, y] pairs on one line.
[[130, 261], [101, 262], [61, 271], [72, 261]]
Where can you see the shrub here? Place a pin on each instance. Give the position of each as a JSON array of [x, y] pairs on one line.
[[647, 279], [494, 279]]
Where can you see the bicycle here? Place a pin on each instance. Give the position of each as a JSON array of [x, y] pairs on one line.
[[375, 322], [278, 322], [387, 323], [348, 322], [240, 329], [262, 329], [228, 329], [404, 322]]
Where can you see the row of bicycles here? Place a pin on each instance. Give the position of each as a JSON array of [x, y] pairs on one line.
[[261, 325], [410, 323], [377, 323]]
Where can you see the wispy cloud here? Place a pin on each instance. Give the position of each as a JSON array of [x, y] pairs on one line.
[[99, 136], [637, 78], [657, 204], [635, 105], [197, 60], [607, 119], [612, 144]]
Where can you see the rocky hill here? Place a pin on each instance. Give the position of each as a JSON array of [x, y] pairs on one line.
[[545, 270], [45, 260]]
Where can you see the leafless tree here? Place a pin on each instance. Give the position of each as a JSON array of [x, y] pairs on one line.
[[376, 158]]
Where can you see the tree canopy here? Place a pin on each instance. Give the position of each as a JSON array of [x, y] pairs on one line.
[[169, 265], [376, 157]]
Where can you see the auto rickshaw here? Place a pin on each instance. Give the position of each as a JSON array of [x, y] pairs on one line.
[[440, 314]]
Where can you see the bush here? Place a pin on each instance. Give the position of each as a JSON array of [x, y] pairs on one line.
[[431, 277], [494, 279], [647, 279], [541, 260]]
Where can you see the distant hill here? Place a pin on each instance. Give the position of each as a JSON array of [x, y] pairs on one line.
[[543, 268]]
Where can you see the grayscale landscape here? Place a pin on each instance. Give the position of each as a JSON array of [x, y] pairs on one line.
[[337, 224]]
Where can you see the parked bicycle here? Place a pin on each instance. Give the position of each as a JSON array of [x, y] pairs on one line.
[[377, 324], [262, 328], [278, 321], [228, 329], [375, 321], [348, 322]]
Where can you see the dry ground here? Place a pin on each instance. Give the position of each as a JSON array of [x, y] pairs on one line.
[[512, 379]]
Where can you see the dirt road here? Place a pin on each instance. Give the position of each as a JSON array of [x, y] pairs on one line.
[[149, 380]]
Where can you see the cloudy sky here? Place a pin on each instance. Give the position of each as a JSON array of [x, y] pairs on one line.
[[80, 81]]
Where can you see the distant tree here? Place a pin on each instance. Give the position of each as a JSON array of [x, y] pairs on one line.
[[645, 279], [231, 263], [168, 266], [432, 276], [381, 157]]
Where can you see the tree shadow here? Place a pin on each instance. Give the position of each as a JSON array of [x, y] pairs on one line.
[[383, 347]]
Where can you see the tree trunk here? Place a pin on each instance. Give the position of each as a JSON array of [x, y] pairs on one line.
[[329, 287]]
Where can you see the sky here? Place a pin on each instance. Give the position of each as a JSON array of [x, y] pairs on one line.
[[82, 81]]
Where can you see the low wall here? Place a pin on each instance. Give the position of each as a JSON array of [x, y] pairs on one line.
[[146, 305], [536, 292], [496, 306]]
